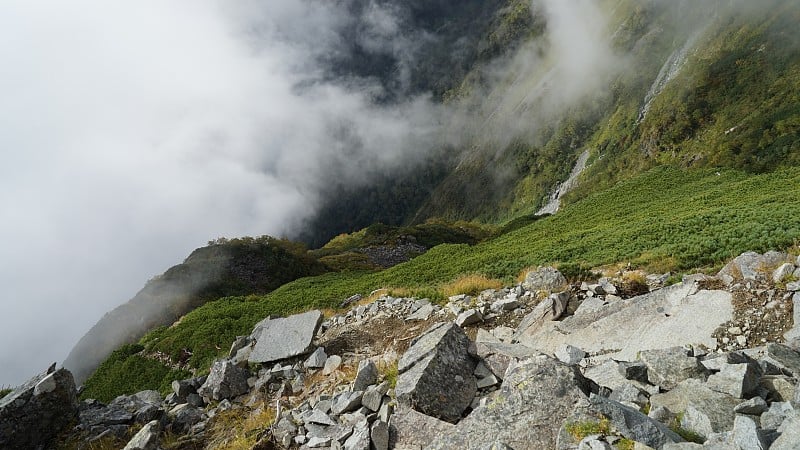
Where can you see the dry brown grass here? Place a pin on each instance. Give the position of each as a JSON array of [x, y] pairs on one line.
[[239, 429], [470, 284]]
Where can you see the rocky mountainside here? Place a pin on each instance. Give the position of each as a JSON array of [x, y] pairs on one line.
[[623, 361]]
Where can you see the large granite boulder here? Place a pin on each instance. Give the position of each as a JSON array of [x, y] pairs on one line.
[[436, 373], [282, 338], [412, 430], [546, 279], [35, 412], [536, 397]]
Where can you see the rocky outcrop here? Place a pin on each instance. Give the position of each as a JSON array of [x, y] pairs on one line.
[[436, 373], [37, 411]]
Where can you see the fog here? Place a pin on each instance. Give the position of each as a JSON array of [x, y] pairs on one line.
[[133, 133]]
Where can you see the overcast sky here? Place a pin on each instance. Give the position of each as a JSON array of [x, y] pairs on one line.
[[134, 132]]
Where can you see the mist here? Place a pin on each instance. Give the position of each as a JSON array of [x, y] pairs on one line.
[[134, 133]]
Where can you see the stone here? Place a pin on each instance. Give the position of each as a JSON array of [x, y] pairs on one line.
[[366, 375], [184, 417], [487, 381], [226, 380], [423, 313], [746, 434], [712, 412], [669, 317], [668, 367], [629, 394], [332, 364], [780, 388], [775, 415], [593, 442], [547, 310], [537, 395], [31, 418], [146, 438], [373, 396], [786, 357], [635, 370], [633, 424], [790, 435], [754, 407], [546, 279], [379, 434], [360, 438], [749, 265], [318, 442], [282, 338], [409, 429], [569, 354], [317, 417], [436, 373], [783, 272], [148, 413], [346, 402], [505, 304], [682, 446], [738, 380], [469, 317], [317, 359]]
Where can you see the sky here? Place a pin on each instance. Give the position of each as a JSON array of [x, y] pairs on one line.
[[132, 133]]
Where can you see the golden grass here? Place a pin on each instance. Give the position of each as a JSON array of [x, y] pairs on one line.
[[469, 284], [239, 429]]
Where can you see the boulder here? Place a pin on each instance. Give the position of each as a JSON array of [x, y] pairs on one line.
[[184, 417], [785, 357], [359, 440], [790, 435], [366, 375], [668, 367], [747, 435], [373, 396], [547, 310], [409, 429], [346, 402], [754, 407], [783, 272], [331, 364], [738, 380], [38, 410], [527, 412], [505, 304], [749, 265], [569, 354], [317, 359], [469, 317], [423, 313], [146, 438], [379, 434], [544, 279], [277, 339], [633, 424], [226, 380], [711, 411], [436, 373]]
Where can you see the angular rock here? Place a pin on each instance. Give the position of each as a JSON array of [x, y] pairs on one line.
[[359, 440], [226, 380], [346, 402], [668, 367], [547, 310], [754, 407], [748, 265], [682, 446], [318, 442], [469, 317], [410, 429], [366, 375], [184, 417], [423, 313], [712, 411], [331, 364], [747, 435], [738, 380], [146, 438], [775, 415], [790, 435], [282, 338], [436, 373], [636, 370], [635, 425], [318, 417], [317, 359], [569, 354], [544, 279], [373, 396], [593, 442], [537, 395], [379, 434], [780, 388], [785, 356], [505, 304], [783, 272], [31, 417]]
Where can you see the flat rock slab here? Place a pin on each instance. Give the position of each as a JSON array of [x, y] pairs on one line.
[[412, 430], [669, 317], [537, 395], [282, 338]]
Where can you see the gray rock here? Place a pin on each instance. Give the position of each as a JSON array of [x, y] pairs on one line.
[[788, 358], [146, 438], [775, 415], [505, 304], [318, 417], [668, 367], [747, 435], [749, 265], [547, 310], [148, 413], [780, 388], [346, 402], [366, 375], [105, 416], [569, 354], [661, 414], [682, 446], [783, 272], [184, 417], [738, 380], [331, 364], [635, 370], [282, 338], [469, 317], [544, 279], [593, 442], [410, 429], [633, 424], [790, 435], [373, 396], [436, 373], [318, 442], [31, 417], [711, 411], [379, 434], [755, 406], [226, 380], [496, 445], [527, 412], [423, 313], [317, 359], [360, 439], [629, 394]]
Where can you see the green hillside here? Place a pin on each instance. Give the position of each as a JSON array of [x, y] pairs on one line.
[[665, 219]]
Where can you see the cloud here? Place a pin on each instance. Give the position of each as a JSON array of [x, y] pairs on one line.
[[135, 132]]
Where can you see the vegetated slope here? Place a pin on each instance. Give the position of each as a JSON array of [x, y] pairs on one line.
[[225, 267], [665, 219]]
